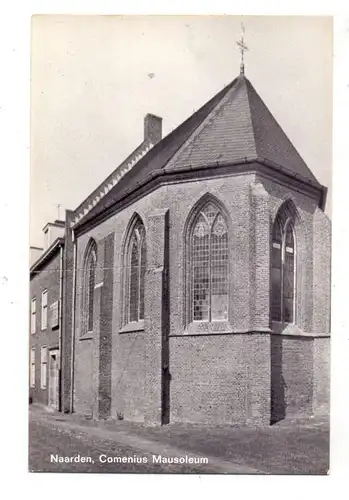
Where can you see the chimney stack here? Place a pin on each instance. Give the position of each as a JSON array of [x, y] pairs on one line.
[[152, 128], [52, 231]]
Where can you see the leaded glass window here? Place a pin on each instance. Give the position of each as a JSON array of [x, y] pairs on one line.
[[209, 266], [136, 266], [89, 286], [283, 267], [91, 290]]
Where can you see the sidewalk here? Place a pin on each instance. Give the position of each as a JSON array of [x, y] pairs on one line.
[[290, 447]]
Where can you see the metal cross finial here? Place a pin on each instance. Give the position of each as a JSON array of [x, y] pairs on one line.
[[243, 48]]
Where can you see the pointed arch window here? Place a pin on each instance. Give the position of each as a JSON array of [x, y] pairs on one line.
[[209, 266], [89, 286], [135, 274], [283, 274]]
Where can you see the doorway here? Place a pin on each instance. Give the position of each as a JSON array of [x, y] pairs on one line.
[[53, 381]]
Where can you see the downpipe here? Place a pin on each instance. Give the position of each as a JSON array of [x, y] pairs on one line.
[[72, 354], [60, 338]]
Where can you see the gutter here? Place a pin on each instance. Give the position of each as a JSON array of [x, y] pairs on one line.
[[323, 198], [154, 177]]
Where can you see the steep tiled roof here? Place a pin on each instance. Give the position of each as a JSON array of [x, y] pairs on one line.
[[234, 125], [241, 126], [156, 158]]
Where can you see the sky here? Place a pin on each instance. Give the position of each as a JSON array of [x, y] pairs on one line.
[[94, 78]]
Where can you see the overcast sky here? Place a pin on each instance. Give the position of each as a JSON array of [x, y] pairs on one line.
[[94, 78]]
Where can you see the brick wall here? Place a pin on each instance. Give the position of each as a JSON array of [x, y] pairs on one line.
[[304, 246], [128, 373], [84, 390], [67, 314], [291, 376], [259, 263], [127, 363], [87, 345], [216, 377], [322, 272], [322, 371], [322, 311], [105, 330], [156, 323]]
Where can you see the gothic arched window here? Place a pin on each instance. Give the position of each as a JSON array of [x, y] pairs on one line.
[[89, 286], [283, 267], [208, 254], [135, 274]]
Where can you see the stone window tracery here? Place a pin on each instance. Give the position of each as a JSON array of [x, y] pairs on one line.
[[135, 274], [283, 275], [209, 265]]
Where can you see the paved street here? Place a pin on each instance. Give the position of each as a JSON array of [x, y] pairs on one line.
[[65, 443]]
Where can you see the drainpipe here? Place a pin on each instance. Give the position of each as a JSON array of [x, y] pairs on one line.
[[60, 404], [73, 327]]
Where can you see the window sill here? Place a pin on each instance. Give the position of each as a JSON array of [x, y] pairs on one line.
[[87, 336], [208, 328], [133, 326], [292, 330]]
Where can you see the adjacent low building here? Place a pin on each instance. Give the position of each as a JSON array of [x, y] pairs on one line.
[[46, 292]]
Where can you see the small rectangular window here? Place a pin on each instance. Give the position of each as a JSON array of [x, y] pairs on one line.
[[43, 372], [33, 316], [32, 367], [54, 314], [44, 310]]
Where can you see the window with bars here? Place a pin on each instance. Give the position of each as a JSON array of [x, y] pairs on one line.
[[135, 274], [209, 266], [89, 286], [283, 276]]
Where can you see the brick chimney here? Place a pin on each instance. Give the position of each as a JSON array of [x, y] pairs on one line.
[[152, 128], [52, 231]]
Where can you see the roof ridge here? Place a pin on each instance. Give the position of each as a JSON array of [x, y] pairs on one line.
[[206, 121], [261, 143], [247, 81]]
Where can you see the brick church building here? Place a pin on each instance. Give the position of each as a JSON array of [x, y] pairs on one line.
[[197, 277]]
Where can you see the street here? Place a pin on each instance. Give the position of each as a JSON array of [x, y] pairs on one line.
[[49, 438], [70, 443]]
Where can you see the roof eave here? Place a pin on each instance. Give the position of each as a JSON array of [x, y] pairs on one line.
[[158, 174], [323, 199], [49, 253], [276, 167]]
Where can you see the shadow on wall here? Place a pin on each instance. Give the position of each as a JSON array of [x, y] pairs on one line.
[[278, 385]]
